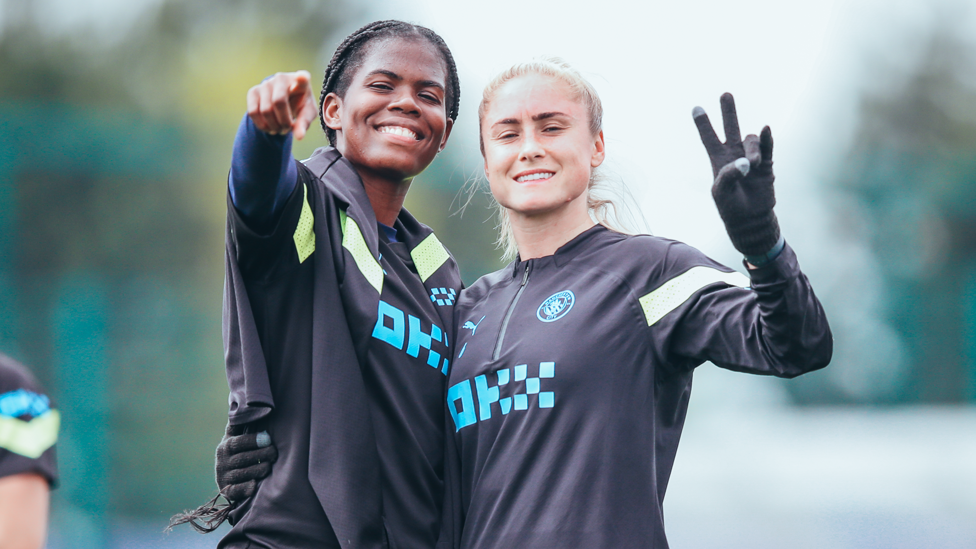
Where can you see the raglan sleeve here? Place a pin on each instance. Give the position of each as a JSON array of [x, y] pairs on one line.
[[255, 261], [267, 253], [29, 424], [771, 323]]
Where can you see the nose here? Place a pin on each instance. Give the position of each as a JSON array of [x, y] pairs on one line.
[[531, 147], [405, 102]]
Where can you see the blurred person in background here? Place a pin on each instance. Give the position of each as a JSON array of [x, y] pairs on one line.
[[28, 431], [574, 363], [337, 304]]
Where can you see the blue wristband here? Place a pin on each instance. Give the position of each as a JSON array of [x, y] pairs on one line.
[[768, 257]]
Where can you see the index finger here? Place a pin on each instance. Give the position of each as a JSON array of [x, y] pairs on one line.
[[280, 104], [705, 130], [300, 84], [730, 119]]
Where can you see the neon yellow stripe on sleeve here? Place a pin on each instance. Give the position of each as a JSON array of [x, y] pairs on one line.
[[679, 289], [30, 438], [352, 240], [428, 256], [305, 232]]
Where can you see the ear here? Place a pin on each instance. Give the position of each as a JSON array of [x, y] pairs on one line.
[[599, 150], [331, 109], [486, 170], [447, 133]]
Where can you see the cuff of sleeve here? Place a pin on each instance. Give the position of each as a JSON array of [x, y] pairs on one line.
[[783, 266], [768, 257]]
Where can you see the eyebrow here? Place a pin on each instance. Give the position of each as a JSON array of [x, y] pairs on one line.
[[545, 115], [398, 78], [535, 118]]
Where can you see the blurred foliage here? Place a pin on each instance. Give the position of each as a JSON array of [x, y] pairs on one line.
[[460, 210], [911, 168]]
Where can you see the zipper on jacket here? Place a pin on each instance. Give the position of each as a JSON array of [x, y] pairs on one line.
[[508, 315]]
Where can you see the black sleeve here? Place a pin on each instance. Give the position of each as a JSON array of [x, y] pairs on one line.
[[776, 328], [29, 424], [270, 254]]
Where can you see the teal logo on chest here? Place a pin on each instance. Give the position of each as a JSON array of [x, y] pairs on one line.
[[397, 328], [556, 306]]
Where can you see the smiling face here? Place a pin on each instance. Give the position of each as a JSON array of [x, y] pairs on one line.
[[539, 149], [392, 120]]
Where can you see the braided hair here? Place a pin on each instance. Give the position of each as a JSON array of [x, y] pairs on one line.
[[349, 56]]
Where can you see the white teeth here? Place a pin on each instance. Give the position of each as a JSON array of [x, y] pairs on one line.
[[535, 176], [398, 130]]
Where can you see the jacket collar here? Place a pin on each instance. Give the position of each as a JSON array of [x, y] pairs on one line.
[[565, 253], [341, 179]]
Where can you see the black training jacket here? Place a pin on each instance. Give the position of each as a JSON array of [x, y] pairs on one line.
[[337, 341], [572, 375], [29, 424]]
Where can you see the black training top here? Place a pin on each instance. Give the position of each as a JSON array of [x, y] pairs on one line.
[[337, 340], [29, 424], [572, 377]]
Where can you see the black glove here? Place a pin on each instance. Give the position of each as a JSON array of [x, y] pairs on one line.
[[743, 188], [242, 460]]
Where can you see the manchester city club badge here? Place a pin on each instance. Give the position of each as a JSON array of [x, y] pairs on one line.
[[556, 306]]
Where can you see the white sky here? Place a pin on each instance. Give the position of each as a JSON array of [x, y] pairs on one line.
[[791, 65]]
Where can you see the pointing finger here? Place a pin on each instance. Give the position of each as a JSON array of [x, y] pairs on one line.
[[279, 99], [730, 119], [300, 85], [705, 130]]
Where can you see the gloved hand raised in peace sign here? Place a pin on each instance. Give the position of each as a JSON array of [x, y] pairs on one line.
[[743, 186]]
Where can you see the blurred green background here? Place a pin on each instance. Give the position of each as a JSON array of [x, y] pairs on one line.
[[114, 147]]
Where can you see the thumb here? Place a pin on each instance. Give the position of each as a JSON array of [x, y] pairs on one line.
[[731, 173]]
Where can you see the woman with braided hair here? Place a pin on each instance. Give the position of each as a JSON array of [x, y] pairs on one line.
[[334, 346]]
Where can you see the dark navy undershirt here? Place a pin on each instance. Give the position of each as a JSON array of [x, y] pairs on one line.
[[258, 159]]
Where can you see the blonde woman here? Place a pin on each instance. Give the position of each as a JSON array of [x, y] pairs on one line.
[[573, 364]]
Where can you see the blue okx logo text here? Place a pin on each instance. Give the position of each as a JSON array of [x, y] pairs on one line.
[[395, 328], [461, 398]]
